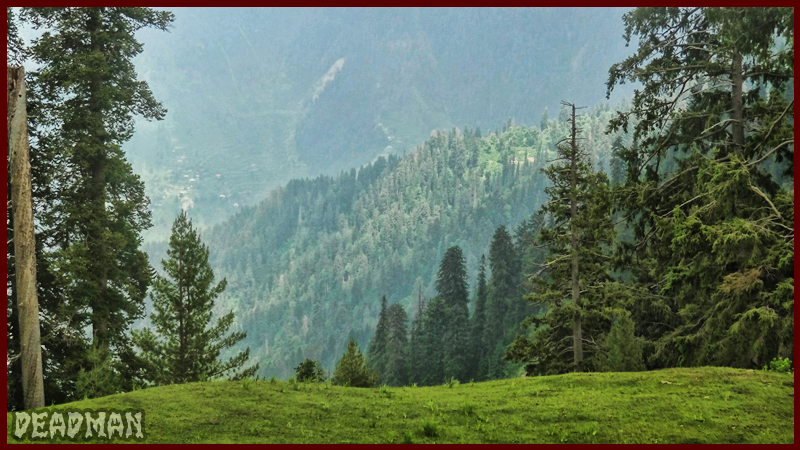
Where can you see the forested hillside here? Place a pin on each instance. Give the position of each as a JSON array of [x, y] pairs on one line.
[[306, 267]]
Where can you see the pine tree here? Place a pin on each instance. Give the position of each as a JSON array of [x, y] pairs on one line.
[[713, 228], [478, 368], [452, 287], [377, 356], [503, 288], [187, 350], [576, 271], [432, 343], [416, 354], [397, 347], [90, 206], [352, 370]]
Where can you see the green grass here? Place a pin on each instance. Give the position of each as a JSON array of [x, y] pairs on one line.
[[695, 405]]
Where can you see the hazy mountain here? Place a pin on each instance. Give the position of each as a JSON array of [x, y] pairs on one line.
[[306, 266], [259, 96]]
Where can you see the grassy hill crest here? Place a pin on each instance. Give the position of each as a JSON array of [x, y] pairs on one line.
[[680, 405]]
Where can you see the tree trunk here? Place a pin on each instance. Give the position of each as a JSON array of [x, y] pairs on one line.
[[24, 245], [736, 104], [577, 342], [97, 241]]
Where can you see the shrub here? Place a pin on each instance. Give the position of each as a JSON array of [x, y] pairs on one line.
[[782, 365], [309, 370]]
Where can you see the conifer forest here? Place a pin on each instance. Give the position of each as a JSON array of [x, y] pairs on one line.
[[394, 197]]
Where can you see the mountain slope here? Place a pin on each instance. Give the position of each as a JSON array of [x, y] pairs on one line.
[[306, 267]]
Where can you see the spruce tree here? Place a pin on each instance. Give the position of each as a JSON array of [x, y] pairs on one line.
[[708, 189], [397, 347], [623, 351], [183, 349], [452, 287], [432, 342], [377, 357], [478, 350], [503, 289], [90, 207], [416, 354]]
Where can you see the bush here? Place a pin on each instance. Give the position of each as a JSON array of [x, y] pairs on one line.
[[782, 365], [352, 371], [310, 370]]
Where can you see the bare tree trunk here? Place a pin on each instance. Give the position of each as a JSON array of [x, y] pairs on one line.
[[736, 103], [577, 342], [24, 245]]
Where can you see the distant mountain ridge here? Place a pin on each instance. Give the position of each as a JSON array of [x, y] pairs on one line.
[[247, 100]]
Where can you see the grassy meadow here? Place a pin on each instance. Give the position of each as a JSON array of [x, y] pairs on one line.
[[689, 405]]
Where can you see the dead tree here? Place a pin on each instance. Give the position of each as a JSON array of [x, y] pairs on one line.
[[24, 246]]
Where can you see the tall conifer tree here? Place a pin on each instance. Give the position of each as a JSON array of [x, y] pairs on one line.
[[377, 353], [708, 189], [183, 349], [478, 350], [453, 292], [397, 346], [91, 207], [416, 354], [573, 278], [503, 289]]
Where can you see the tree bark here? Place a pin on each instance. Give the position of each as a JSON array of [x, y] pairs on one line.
[[24, 244], [97, 241], [577, 342], [736, 104]]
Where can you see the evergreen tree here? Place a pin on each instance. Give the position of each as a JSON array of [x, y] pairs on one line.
[[478, 350], [617, 167], [416, 355], [310, 370], [352, 370], [397, 347], [432, 343], [187, 350], [503, 289], [623, 350], [575, 273], [713, 247], [90, 207], [452, 287], [377, 356], [452, 280], [14, 43]]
